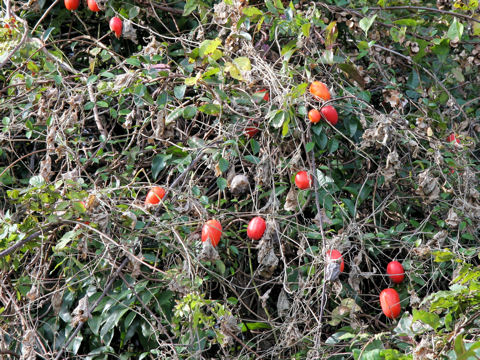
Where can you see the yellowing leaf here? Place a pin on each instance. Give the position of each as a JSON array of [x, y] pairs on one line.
[[233, 70], [207, 47], [243, 63], [193, 80], [476, 26]]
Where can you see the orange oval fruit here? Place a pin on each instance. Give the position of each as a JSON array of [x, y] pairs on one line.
[[212, 230], [72, 4], [252, 129], [395, 272], [303, 180], [330, 114], [154, 195], [390, 303], [320, 90], [335, 254], [256, 228], [314, 116], [452, 138], [92, 5], [116, 26], [266, 97]]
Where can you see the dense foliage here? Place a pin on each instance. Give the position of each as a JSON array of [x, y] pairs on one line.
[[92, 121]]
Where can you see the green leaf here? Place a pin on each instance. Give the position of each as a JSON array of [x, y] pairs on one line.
[[309, 147], [179, 91], [306, 29], [134, 62], [207, 47], [323, 179], [459, 345], [66, 238], [223, 164], [285, 127], [366, 23], [255, 146], [443, 255], [158, 164], [210, 109], [189, 112], [133, 12], [407, 22], [112, 319], [175, 114], [254, 326], [252, 11], [278, 118], [221, 183], [252, 159], [190, 6], [476, 26], [455, 31], [428, 318], [37, 181]]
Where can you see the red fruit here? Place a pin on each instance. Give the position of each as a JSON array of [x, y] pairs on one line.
[[390, 302], [266, 97], [335, 254], [256, 228], [252, 130], [154, 195], [314, 116], [320, 90], [330, 114], [395, 272], [92, 5], [303, 180], [72, 4], [212, 230], [116, 26], [452, 138]]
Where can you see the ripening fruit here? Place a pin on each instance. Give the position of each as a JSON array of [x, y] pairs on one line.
[[154, 195], [72, 4], [116, 26], [92, 5], [390, 303], [212, 230], [452, 138], [320, 90], [395, 272], [252, 130], [330, 114], [303, 180], [266, 97], [314, 116], [335, 254], [256, 228]]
